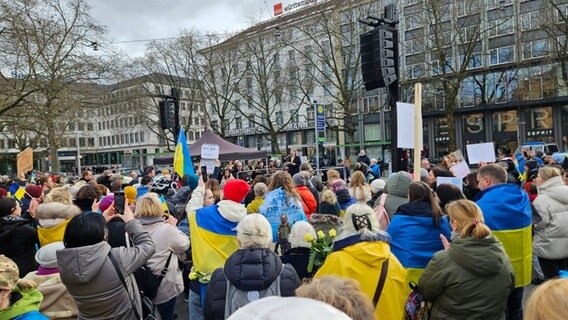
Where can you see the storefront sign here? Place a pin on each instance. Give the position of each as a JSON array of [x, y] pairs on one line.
[[278, 9], [320, 118], [539, 133], [299, 4]]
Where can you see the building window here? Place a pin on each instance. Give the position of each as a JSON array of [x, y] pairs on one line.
[[141, 136], [492, 4], [251, 121], [466, 7], [535, 49], [412, 22], [502, 55], [500, 27], [448, 66], [279, 117], [414, 71], [239, 122], [475, 61], [530, 20], [191, 135]]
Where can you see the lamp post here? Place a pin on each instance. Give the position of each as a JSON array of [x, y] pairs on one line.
[[78, 150]]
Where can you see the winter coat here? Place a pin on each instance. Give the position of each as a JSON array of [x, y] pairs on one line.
[[255, 204], [362, 261], [248, 270], [397, 192], [276, 203], [93, 281], [57, 303], [181, 195], [551, 233], [167, 239], [298, 258], [361, 195], [309, 202], [471, 280], [325, 222], [415, 238], [507, 212], [26, 307], [18, 241], [364, 159], [294, 165]]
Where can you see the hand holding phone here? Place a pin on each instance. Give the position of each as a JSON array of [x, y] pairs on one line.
[[204, 173], [119, 202]]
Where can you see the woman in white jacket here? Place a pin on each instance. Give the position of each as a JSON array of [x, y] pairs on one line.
[[168, 240], [550, 242]]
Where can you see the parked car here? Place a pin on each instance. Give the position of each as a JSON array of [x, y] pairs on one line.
[[544, 147]]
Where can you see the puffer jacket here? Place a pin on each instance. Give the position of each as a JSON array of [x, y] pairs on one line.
[[550, 239], [167, 239], [92, 280], [397, 191], [248, 270], [57, 303], [471, 280], [309, 202], [18, 242]]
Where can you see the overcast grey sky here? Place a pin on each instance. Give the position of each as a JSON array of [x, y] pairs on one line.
[[128, 20]]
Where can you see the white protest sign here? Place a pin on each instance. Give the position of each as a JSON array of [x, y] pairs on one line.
[[304, 159], [210, 151], [209, 164], [481, 152], [450, 180], [460, 170], [405, 125]]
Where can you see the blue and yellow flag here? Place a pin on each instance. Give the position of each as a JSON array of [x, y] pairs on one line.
[[182, 157], [164, 205], [17, 191]]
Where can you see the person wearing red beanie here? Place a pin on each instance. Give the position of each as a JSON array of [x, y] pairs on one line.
[[236, 190]]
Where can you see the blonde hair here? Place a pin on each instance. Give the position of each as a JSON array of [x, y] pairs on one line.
[[344, 294], [546, 173], [328, 196], [332, 174], [60, 195], [148, 205], [549, 301], [254, 231], [260, 189], [299, 230], [469, 218]]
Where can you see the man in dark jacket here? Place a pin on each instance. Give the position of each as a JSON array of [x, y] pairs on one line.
[[251, 271], [364, 158]]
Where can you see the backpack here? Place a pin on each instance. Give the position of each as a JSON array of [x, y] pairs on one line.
[[381, 213], [236, 298], [416, 308], [148, 282]]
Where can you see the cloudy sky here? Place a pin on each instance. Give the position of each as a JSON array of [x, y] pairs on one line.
[[128, 20]]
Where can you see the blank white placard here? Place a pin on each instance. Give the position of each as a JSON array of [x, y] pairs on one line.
[[481, 152], [405, 125]]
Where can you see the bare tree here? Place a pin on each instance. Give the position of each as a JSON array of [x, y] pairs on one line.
[[553, 19]]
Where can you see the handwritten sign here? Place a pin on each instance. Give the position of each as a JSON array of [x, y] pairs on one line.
[[209, 164], [25, 161], [210, 151]]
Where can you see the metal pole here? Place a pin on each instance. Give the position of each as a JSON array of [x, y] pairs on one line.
[[78, 151], [316, 137]]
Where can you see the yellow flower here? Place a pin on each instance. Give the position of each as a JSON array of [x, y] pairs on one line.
[[192, 275], [321, 235], [308, 237], [332, 233]]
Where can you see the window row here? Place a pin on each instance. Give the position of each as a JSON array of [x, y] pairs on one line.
[[121, 139]]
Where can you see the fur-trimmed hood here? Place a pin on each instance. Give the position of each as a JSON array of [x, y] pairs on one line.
[[53, 213], [325, 218]]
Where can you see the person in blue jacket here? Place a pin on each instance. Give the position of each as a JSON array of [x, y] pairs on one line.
[[415, 230]]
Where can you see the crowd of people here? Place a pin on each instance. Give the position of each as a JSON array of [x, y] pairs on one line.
[[249, 241]]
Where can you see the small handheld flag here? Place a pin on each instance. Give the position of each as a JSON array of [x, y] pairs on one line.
[[164, 206], [17, 191], [182, 156]]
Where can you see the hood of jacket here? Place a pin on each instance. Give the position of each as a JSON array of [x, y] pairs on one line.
[[29, 302], [555, 189], [9, 227], [80, 265], [398, 183], [231, 210], [320, 218], [416, 209], [365, 251], [483, 257], [252, 269]]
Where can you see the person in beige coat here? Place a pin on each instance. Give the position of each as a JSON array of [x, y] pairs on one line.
[[169, 241], [57, 303]]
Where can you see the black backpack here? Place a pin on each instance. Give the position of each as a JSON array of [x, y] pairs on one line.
[[148, 283]]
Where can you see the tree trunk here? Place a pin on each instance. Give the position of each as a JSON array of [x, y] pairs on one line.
[[450, 116], [274, 146], [53, 146]]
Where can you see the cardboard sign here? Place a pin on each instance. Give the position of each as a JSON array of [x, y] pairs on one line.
[[405, 125], [481, 152], [25, 161], [450, 180], [210, 151]]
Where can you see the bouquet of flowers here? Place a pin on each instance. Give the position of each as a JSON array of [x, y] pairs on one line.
[[321, 248]]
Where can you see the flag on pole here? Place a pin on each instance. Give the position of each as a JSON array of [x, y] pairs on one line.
[[182, 157], [17, 191], [164, 205]]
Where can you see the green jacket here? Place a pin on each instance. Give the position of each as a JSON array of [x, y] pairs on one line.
[[30, 301], [471, 280]]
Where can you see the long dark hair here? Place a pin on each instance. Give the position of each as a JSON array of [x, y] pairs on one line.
[[421, 191]]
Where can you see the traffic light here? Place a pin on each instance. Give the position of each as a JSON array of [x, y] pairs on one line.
[[379, 55], [169, 115]]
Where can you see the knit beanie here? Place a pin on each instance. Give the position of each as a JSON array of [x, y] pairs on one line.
[[377, 185], [34, 191], [329, 208], [3, 193], [236, 190], [300, 179], [46, 255], [192, 181], [130, 194], [106, 202], [558, 158]]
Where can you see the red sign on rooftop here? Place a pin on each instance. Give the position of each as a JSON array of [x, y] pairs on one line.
[[278, 9]]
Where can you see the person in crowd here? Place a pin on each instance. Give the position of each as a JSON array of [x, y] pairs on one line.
[[104, 178], [87, 175], [53, 218], [144, 187], [59, 194], [397, 191], [19, 298], [473, 277], [134, 175], [361, 252], [531, 172], [377, 188], [57, 303], [359, 188], [415, 230], [332, 176], [548, 301], [260, 190], [470, 188], [101, 190], [507, 212], [150, 171], [251, 195], [565, 177], [213, 185], [447, 193], [169, 243], [299, 254], [316, 185], [188, 183], [115, 186], [18, 240], [278, 308], [282, 199], [362, 167], [252, 269], [130, 194], [309, 203], [31, 200], [343, 293], [374, 169], [213, 239], [425, 164], [435, 173], [550, 241], [89, 274], [226, 177], [342, 193], [363, 158], [293, 162], [85, 197], [328, 214]]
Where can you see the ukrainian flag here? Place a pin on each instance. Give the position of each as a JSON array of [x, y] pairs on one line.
[[182, 157], [17, 191], [164, 205], [507, 212]]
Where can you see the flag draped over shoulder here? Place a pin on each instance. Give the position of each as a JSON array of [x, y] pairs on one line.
[[182, 157], [17, 191]]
